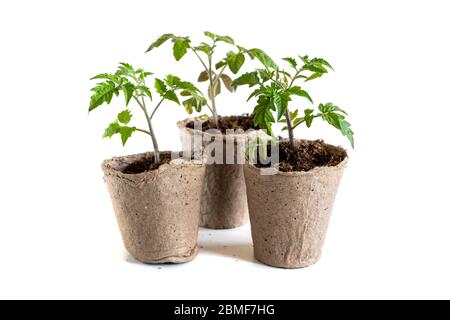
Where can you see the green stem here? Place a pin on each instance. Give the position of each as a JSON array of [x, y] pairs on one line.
[[150, 129], [293, 128], [210, 73], [143, 131], [293, 78], [212, 92], [156, 108], [200, 58], [290, 130], [210, 109], [217, 79]]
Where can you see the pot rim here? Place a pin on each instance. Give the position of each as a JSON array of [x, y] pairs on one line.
[[250, 132], [109, 168], [339, 166]]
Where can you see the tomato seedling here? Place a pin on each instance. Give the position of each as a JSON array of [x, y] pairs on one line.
[[214, 71], [132, 83], [275, 90]]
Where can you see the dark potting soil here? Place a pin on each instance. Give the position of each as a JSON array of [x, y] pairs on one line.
[[308, 155], [243, 122], [146, 164]]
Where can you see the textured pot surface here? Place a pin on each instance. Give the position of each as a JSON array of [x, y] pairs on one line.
[[290, 212], [224, 198], [157, 211]]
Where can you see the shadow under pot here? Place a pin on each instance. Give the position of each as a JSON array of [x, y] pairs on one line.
[[224, 198], [290, 211], [157, 207]]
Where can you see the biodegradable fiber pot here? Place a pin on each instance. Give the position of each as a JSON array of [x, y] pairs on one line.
[[290, 211], [157, 210], [224, 198]]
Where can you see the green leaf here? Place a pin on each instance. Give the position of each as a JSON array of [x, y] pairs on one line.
[[204, 47], [265, 75], [196, 102], [309, 117], [291, 61], [172, 80], [350, 138], [337, 120], [125, 69], [226, 39], [203, 76], [277, 101], [298, 120], [251, 79], [108, 76], [160, 41], [263, 114], [287, 74], [280, 101], [294, 114], [185, 93], [305, 59], [171, 95], [330, 107], [345, 126], [220, 64], [112, 129], [188, 105], [299, 92], [160, 87], [248, 52], [143, 74], [264, 58], [128, 90], [210, 34], [125, 133], [282, 104], [145, 90], [257, 92], [180, 48], [323, 62], [333, 119], [300, 76], [315, 67], [227, 81], [186, 85], [124, 117], [103, 92], [315, 75], [235, 61]]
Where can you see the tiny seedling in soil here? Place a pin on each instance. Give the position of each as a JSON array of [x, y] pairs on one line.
[[275, 91], [132, 83], [214, 70]]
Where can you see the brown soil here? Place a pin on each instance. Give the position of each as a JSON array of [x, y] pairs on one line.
[[243, 122], [308, 155], [146, 164]]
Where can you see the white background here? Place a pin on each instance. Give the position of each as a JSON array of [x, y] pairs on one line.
[[390, 232]]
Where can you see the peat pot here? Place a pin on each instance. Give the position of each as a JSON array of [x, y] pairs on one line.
[[290, 211], [224, 198], [157, 210]]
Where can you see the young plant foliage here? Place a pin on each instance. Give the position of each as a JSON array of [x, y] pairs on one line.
[[276, 89], [213, 71], [131, 83]]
